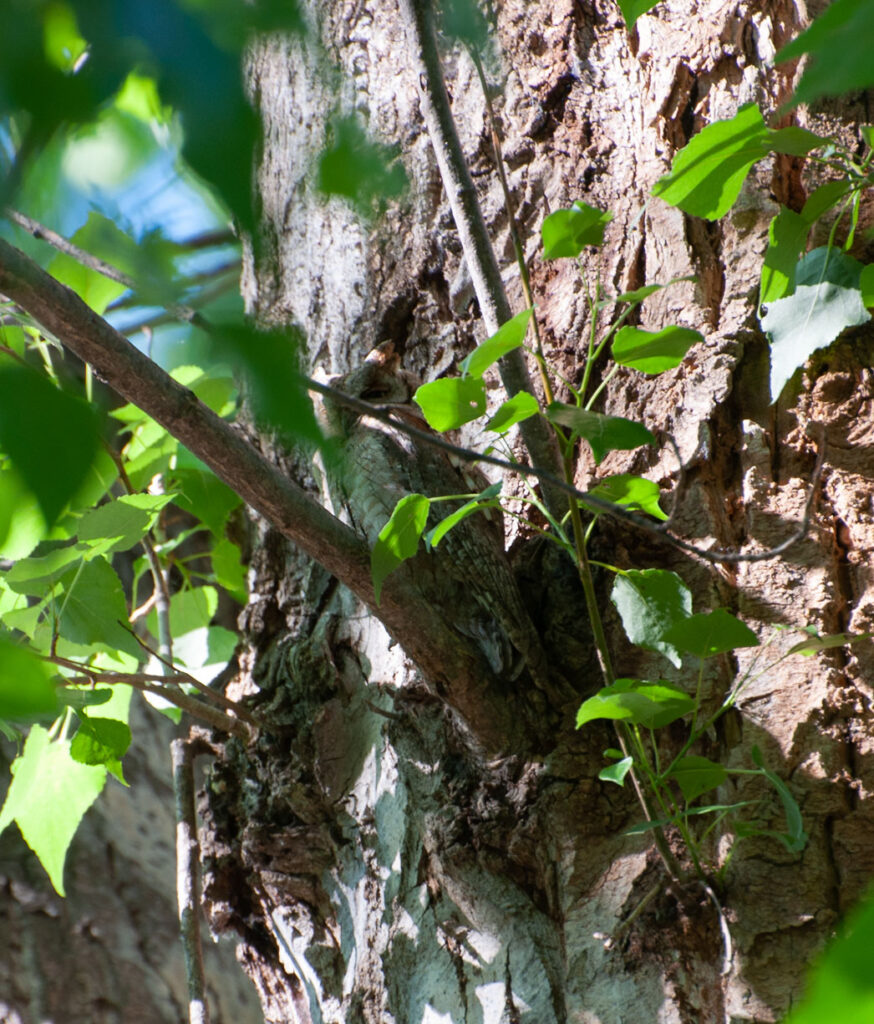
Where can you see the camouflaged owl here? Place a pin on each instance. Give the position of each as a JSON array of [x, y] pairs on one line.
[[467, 577]]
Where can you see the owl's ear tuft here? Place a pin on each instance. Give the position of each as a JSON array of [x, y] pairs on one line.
[[384, 355]]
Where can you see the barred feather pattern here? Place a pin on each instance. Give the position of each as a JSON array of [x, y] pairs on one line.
[[467, 577]]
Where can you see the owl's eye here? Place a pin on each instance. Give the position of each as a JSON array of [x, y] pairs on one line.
[[375, 393]]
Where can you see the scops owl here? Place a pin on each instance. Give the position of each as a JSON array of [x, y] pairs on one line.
[[467, 576]]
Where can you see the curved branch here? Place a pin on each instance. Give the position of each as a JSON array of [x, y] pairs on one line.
[[450, 662]]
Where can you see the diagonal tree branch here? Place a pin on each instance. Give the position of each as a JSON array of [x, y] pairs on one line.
[[450, 662]]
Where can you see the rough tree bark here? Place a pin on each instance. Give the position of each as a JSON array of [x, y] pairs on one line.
[[375, 864]]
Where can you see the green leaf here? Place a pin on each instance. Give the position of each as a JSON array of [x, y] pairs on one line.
[[787, 235], [200, 492], [866, 285], [399, 538], [452, 401], [483, 500], [26, 686], [649, 602], [795, 838], [808, 320], [359, 169], [230, 573], [205, 651], [814, 644], [189, 610], [653, 351], [121, 522], [838, 42], [509, 336], [633, 492], [652, 705], [604, 433], [50, 436], [268, 362], [92, 287], [711, 634], [840, 986], [94, 611], [48, 795], [101, 741], [35, 576], [632, 10], [824, 198], [794, 141], [646, 826], [616, 772], [22, 524], [696, 775], [828, 264], [463, 20], [520, 407], [707, 174], [78, 698], [568, 232]]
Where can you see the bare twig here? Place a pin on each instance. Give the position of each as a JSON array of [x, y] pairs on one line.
[[177, 311], [188, 878], [214, 695]]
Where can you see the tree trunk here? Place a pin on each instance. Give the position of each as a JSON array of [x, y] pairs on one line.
[[376, 862]]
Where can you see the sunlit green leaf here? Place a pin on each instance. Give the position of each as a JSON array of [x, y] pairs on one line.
[[22, 524], [866, 285], [787, 236], [824, 198], [399, 538], [50, 436], [199, 491], [34, 576], [707, 174], [63, 43], [452, 401], [708, 635], [516, 409], [568, 232], [649, 602], [814, 644], [101, 741], [229, 571], [632, 10], [509, 336], [632, 492], [604, 433], [653, 351], [48, 795], [813, 317], [616, 772], [120, 523], [26, 686], [94, 611], [652, 705], [189, 609]]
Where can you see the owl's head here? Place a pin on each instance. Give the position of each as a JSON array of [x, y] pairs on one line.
[[380, 381]]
